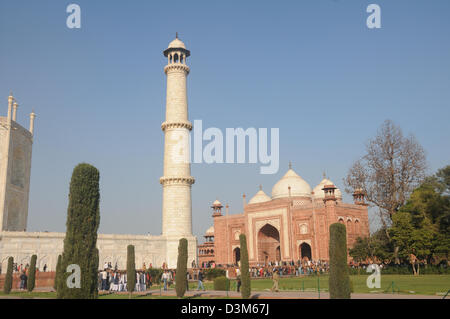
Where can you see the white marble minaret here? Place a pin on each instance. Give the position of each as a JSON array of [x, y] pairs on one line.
[[177, 179]]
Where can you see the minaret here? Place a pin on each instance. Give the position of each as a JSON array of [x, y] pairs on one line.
[[15, 167], [177, 179]]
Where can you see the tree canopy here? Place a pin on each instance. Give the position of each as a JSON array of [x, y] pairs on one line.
[[420, 228]]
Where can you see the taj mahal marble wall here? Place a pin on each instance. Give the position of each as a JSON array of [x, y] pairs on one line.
[[112, 248]]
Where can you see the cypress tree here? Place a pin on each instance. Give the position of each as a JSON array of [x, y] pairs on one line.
[[245, 274], [32, 274], [83, 219], [58, 272], [131, 269], [339, 280], [181, 274], [9, 276]]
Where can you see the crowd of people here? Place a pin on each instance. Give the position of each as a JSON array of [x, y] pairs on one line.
[[299, 268], [114, 280]]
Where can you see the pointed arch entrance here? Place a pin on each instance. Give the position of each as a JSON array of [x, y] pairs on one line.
[[268, 244], [305, 251], [236, 255]]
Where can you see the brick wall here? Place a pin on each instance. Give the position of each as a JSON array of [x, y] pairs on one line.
[[43, 280]]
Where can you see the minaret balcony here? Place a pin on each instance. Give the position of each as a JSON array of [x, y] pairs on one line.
[[180, 124], [176, 67], [172, 180]]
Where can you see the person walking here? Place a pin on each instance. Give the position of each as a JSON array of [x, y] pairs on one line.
[[104, 278], [200, 281], [165, 278], [239, 283], [275, 278], [187, 280], [23, 281]]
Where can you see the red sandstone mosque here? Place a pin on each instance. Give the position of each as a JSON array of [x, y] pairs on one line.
[[292, 224]]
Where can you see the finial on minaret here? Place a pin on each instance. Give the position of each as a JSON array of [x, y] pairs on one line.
[[260, 187], [176, 35], [10, 101], [15, 106], [324, 174], [32, 117], [290, 165]]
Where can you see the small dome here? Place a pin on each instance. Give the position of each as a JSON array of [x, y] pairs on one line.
[[260, 197], [217, 203], [299, 187], [176, 44], [210, 231], [320, 194]]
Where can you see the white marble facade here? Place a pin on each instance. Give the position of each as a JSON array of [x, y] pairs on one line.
[[113, 248], [15, 167]]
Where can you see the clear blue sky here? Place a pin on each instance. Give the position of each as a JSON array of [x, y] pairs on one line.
[[311, 68]]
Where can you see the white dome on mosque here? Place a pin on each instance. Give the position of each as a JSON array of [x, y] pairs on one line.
[[210, 231], [299, 187], [260, 197], [320, 194], [217, 203]]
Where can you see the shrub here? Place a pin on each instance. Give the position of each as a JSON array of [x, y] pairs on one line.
[[156, 274], [131, 269], [57, 272], [9, 276], [80, 243], [181, 274], [245, 273], [222, 283], [32, 273], [339, 280], [212, 273]]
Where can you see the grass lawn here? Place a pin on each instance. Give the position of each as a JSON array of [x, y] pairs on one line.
[[422, 285], [125, 296], [406, 284], [29, 295]]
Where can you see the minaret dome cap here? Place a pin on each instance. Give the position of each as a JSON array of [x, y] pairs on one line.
[[177, 44]]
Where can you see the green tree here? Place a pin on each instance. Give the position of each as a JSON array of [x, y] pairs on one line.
[[361, 249], [83, 218], [443, 179], [32, 274], [131, 269], [57, 272], [440, 183], [375, 248], [9, 276], [339, 280], [245, 272], [413, 235], [181, 274], [393, 166], [381, 247], [423, 231]]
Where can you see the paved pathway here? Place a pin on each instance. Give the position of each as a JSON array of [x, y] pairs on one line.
[[291, 295], [262, 294]]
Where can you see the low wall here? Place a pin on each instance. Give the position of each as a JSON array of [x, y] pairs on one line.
[[43, 280]]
